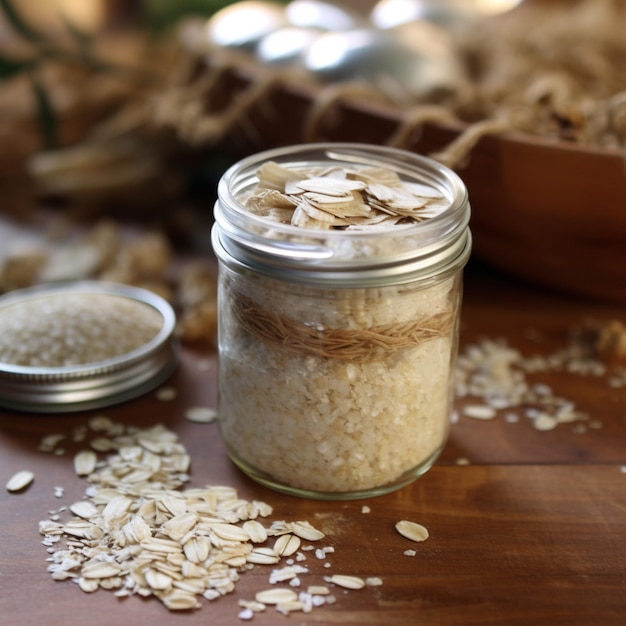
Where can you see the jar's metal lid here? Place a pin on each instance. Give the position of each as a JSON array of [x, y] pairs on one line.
[[89, 385], [343, 258]]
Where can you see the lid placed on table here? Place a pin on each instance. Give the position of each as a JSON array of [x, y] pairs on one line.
[[82, 345]]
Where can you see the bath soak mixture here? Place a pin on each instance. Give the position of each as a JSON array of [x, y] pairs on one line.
[[68, 329], [336, 389], [329, 424]]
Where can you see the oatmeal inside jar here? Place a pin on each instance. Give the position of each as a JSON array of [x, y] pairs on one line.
[[327, 423], [338, 326]]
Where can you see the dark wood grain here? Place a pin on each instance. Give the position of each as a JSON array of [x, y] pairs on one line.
[[532, 532]]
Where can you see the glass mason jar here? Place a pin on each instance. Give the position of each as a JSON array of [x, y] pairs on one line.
[[337, 346]]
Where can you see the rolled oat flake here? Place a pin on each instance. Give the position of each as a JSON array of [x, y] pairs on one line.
[[82, 345], [339, 296]]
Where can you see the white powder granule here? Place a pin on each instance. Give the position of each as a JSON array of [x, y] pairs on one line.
[[66, 329]]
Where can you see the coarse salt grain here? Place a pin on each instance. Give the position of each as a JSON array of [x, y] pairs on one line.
[[246, 614], [65, 329]]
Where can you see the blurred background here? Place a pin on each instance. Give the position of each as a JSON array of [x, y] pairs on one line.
[[129, 111]]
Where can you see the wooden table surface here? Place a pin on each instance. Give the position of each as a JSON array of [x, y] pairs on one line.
[[531, 531]]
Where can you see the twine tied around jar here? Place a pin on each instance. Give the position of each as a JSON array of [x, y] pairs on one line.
[[354, 345]]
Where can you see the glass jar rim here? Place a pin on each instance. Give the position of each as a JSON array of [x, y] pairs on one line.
[[309, 254]]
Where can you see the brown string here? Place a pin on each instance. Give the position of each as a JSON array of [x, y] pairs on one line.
[[329, 97], [617, 116], [414, 120], [350, 345], [456, 153], [184, 108]]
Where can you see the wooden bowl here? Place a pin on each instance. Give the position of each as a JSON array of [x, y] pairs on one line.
[[546, 211]]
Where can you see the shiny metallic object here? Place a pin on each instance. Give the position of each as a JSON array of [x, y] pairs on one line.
[[419, 64], [286, 46], [449, 14], [321, 15], [242, 25]]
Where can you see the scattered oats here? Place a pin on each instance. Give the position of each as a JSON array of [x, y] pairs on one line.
[[49, 442], [409, 553], [211, 594], [276, 596], [286, 545], [230, 532], [20, 481], [479, 412], [263, 556], [283, 574], [102, 444], [496, 373], [365, 509], [84, 509], [255, 531], [545, 422], [58, 492], [347, 582], [373, 581], [327, 565], [177, 600], [412, 530], [320, 554], [622, 469], [166, 394], [85, 462], [318, 590], [157, 580], [253, 605], [58, 451], [79, 434], [100, 423], [87, 585], [137, 532], [317, 600], [99, 569], [305, 530], [201, 414], [462, 461]]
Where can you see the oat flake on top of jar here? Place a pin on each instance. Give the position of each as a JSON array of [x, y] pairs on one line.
[[339, 299]]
